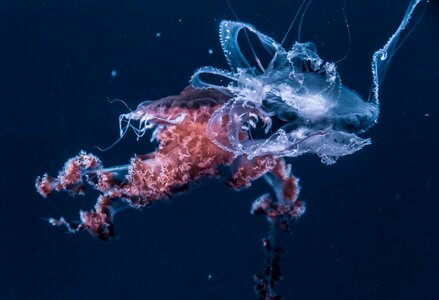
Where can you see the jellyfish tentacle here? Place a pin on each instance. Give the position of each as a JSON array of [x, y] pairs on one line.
[[229, 31], [197, 82], [382, 57]]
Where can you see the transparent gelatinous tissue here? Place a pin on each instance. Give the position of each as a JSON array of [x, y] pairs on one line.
[[239, 130], [314, 112]]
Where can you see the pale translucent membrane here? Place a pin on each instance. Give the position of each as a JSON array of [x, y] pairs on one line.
[[382, 57], [318, 114]]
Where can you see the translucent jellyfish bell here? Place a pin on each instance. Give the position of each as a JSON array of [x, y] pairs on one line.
[[318, 113], [298, 91]]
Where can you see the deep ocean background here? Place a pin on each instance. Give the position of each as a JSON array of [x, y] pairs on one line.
[[372, 226]]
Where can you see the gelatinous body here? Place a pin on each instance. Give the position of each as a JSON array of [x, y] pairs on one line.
[[208, 126], [185, 154], [319, 115], [211, 127]]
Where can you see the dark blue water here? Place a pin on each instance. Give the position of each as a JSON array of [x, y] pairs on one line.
[[372, 226]]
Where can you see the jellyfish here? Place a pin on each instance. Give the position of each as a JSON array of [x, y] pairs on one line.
[[319, 115], [248, 125]]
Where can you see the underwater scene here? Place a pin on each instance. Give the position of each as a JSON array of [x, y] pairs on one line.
[[220, 149]]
